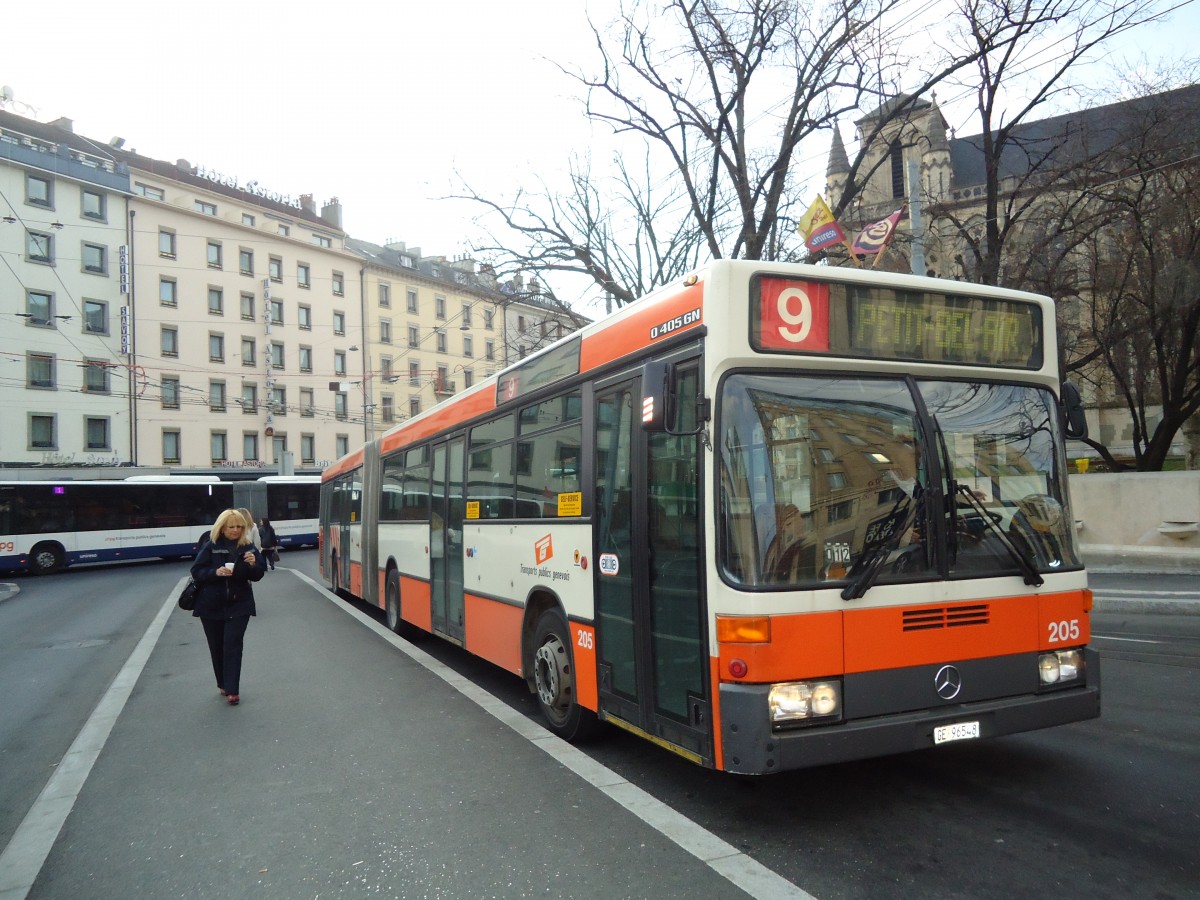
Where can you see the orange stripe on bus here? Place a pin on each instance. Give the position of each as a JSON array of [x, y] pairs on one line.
[[415, 604], [455, 413], [587, 690], [801, 646], [632, 333], [356, 578], [714, 674], [353, 461], [493, 631]]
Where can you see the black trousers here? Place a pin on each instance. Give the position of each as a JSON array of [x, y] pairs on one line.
[[225, 647]]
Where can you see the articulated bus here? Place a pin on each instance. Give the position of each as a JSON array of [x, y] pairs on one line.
[[46, 526], [768, 517]]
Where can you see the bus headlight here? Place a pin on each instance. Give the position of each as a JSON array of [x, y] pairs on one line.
[[800, 702], [1059, 666]]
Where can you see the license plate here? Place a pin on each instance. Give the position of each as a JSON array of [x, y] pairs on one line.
[[959, 731]]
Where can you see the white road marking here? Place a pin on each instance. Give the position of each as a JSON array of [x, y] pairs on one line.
[[31, 843], [744, 873]]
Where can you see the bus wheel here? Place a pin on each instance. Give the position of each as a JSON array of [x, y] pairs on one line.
[[394, 622], [554, 679], [46, 558]]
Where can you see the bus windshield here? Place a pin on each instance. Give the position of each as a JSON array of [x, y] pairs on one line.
[[835, 479]]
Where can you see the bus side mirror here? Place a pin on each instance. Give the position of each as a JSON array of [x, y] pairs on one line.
[[658, 407], [1075, 422]]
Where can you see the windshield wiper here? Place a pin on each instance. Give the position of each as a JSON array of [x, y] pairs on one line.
[[866, 570], [1024, 560]]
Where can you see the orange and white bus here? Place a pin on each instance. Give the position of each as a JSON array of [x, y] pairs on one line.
[[771, 516]]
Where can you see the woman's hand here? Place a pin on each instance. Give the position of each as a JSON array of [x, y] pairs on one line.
[[248, 557]]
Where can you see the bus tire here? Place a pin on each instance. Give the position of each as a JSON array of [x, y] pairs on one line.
[[392, 602], [554, 680], [47, 558]]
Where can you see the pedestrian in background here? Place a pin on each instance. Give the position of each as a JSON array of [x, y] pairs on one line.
[[251, 528], [270, 542], [224, 569]]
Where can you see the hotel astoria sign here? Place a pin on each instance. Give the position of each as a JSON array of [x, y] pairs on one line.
[[250, 187]]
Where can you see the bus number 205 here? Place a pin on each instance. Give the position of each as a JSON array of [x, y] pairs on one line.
[[1063, 631]]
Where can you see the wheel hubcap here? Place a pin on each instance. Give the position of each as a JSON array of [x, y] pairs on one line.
[[552, 675]]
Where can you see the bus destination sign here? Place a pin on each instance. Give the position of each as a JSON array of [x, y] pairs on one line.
[[871, 321]]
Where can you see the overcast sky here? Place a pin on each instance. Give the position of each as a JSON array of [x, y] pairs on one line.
[[376, 103]]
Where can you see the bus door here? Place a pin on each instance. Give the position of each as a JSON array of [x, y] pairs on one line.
[[446, 540], [650, 623]]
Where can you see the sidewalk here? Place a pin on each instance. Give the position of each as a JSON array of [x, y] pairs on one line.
[[356, 768]]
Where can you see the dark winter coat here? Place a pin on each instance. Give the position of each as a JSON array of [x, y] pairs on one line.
[[266, 533], [226, 597]]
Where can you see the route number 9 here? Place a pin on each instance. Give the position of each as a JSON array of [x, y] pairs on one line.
[[795, 310]]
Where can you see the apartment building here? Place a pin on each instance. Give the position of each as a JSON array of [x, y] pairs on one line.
[[248, 307], [63, 315]]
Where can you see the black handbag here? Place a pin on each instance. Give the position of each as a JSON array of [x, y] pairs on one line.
[[187, 597]]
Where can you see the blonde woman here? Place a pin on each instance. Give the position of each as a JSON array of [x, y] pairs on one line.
[[251, 528], [224, 569]]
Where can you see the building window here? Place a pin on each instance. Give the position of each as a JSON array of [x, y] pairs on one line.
[[170, 393], [414, 408], [170, 446], [302, 276], [385, 295], [304, 317], [217, 447], [208, 209], [339, 323], [414, 336], [216, 301], [441, 341], [306, 359], [339, 405], [247, 307], [385, 332], [39, 308], [39, 191], [216, 396], [468, 346], [322, 241], [248, 219], [307, 407], [216, 348], [246, 262], [93, 205], [308, 449], [275, 268], [414, 373], [249, 399], [412, 300], [166, 244], [168, 292], [276, 355], [40, 247], [283, 230], [439, 307], [896, 156], [385, 368], [95, 317], [214, 255], [489, 319], [169, 341], [249, 351], [466, 314], [388, 409], [339, 362], [250, 446], [443, 383], [276, 312], [341, 445], [41, 371], [145, 190], [339, 284], [468, 378], [278, 401], [41, 432], [95, 377], [96, 430]]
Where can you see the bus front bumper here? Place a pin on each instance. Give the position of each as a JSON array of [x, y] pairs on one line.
[[750, 746]]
